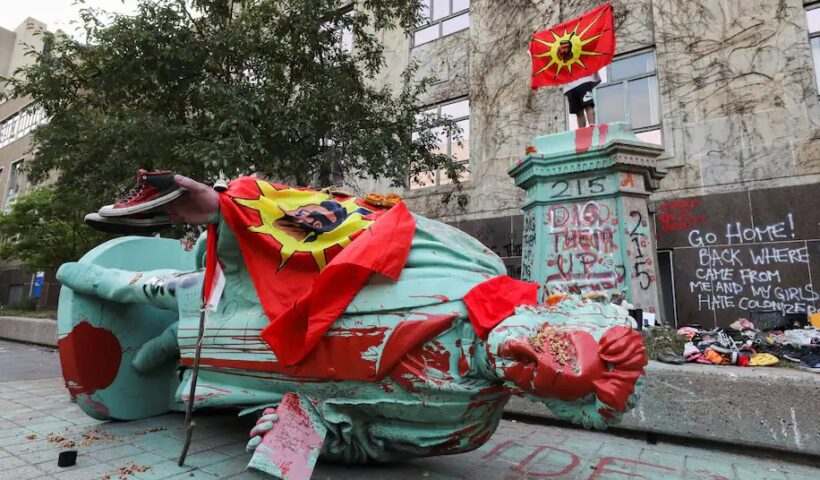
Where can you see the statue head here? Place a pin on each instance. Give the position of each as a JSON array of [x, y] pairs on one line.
[[581, 358]]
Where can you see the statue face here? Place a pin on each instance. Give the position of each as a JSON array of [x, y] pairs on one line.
[[316, 218], [546, 358], [565, 50]]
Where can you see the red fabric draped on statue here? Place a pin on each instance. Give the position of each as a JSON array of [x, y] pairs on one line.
[[490, 302], [299, 250]]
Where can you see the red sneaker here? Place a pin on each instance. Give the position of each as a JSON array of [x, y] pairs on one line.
[[153, 189]]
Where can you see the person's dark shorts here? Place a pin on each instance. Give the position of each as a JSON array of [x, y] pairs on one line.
[[576, 97]]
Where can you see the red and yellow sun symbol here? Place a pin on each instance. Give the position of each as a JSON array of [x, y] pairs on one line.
[[305, 221], [573, 49], [567, 49]]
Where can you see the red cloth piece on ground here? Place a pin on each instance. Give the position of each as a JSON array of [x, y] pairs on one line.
[[382, 248], [490, 302]]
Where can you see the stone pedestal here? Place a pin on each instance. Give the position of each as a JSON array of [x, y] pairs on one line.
[[586, 220]]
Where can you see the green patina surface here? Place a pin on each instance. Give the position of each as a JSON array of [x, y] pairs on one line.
[[447, 399], [400, 374]]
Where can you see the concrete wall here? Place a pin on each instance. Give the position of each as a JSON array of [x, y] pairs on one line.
[[738, 406], [739, 106], [42, 331]]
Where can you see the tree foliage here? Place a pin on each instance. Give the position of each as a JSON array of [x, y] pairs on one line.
[[242, 86], [43, 231], [208, 86]]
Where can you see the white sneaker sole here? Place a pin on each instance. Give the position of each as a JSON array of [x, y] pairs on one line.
[[125, 225], [110, 211]]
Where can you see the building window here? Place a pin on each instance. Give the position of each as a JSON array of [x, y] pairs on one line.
[[813, 23], [442, 17], [15, 174], [459, 112], [629, 92], [344, 38], [20, 124]]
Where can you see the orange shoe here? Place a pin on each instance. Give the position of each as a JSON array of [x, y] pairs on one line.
[[387, 201]]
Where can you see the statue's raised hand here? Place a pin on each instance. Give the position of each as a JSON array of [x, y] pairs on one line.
[[197, 206]]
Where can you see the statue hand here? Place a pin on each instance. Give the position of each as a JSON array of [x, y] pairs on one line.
[[263, 426], [197, 206]]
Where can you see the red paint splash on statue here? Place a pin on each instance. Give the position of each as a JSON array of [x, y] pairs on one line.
[[90, 358], [581, 367]]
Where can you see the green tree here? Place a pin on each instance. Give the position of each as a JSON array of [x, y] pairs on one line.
[[43, 231], [240, 86]]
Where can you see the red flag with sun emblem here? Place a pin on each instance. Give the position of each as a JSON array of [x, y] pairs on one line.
[[573, 49], [308, 254]]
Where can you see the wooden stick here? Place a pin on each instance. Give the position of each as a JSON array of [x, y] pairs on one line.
[[189, 422]]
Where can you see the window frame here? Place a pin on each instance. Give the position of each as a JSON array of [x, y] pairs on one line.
[[449, 140], [625, 81], [812, 36], [20, 123], [10, 196], [439, 23]]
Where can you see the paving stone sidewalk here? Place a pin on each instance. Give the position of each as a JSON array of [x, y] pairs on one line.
[[37, 421]]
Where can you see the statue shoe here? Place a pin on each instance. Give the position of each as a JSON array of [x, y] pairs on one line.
[[137, 224], [153, 190]]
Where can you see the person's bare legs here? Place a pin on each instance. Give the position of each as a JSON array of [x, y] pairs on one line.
[[582, 121], [590, 111]]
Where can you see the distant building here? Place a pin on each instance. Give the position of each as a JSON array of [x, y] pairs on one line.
[[729, 89], [18, 117]]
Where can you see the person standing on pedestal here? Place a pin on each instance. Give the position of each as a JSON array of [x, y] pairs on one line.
[[579, 98]]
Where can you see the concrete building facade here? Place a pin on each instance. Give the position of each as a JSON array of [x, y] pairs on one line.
[[18, 118], [727, 87]]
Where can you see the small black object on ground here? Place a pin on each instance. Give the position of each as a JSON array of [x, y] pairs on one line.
[[67, 458]]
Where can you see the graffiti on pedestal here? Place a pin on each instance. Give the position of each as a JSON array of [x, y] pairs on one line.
[[741, 252], [642, 263], [582, 246], [528, 247]]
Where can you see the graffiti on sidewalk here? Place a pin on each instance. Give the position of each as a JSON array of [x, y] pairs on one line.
[[548, 461]]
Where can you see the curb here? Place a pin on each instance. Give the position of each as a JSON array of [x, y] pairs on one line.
[[773, 408], [42, 331]]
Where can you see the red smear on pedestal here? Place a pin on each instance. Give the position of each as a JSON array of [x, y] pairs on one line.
[[583, 139]]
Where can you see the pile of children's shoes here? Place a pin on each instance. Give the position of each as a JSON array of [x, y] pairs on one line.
[[744, 345]]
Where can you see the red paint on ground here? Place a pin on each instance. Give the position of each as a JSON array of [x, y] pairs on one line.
[[521, 467], [90, 358], [583, 139], [599, 469], [496, 451]]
